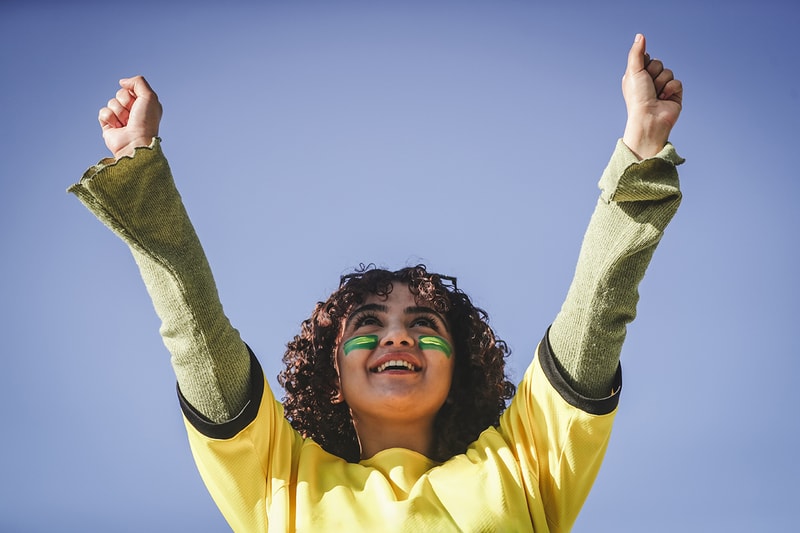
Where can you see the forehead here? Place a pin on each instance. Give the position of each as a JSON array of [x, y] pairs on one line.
[[400, 295]]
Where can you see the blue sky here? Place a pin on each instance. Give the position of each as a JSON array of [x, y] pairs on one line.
[[301, 134]]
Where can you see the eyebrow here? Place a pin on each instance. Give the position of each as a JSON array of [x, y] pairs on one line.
[[411, 310]]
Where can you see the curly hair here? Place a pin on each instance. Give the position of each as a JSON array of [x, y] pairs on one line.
[[479, 390]]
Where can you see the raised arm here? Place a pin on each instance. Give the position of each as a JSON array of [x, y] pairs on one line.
[[135, 196], [640, 195]]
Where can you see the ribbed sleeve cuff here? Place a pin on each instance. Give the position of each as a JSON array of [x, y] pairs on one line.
[[229, 429], [628, 179], [594, 406]]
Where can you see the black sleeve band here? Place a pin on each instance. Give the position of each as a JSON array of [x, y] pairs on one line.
[[230, 428], [594, 406]]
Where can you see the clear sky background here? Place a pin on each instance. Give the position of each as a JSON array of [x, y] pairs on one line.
[[307, 137]]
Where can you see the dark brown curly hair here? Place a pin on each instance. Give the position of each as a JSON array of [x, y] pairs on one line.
[[478, 393]]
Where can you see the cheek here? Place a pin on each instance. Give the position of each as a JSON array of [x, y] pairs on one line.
[[346, 369], [450, 371], [445, 370], [343, 366], [340, 363]]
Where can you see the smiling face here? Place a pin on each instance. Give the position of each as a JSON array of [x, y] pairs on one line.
[[395, 360]]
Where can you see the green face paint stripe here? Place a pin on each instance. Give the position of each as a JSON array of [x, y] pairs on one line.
[[432, 342], [361, 342]]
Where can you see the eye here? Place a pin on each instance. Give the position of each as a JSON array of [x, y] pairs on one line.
[[425, 321], [366, 319]]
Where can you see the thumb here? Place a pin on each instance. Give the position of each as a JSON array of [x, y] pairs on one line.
[[636, 54], [137, 86]]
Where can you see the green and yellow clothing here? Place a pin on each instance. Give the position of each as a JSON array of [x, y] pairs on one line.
[[532, 473]]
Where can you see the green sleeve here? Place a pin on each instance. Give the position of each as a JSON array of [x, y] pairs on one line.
[[137, 199], [638, 200]]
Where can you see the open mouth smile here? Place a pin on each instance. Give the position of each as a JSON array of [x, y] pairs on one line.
[[395, 364]]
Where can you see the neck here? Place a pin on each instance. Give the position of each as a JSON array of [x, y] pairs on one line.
[[376, 437]]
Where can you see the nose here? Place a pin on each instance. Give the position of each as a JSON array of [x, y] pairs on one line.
[[397, 335]]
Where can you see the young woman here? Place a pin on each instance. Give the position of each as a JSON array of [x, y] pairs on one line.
[[395, 418]]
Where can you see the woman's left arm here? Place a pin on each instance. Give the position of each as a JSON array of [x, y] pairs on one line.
[[640, 195]]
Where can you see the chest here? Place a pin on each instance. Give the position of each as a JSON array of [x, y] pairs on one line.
[[478, 491]]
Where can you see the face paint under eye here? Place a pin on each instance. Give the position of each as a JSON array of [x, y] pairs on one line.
[[432, 342], [360, 342]]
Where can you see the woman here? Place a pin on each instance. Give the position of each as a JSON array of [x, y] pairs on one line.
[[394, 415], [454, 387]]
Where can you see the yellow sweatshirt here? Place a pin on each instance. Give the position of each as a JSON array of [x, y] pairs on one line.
[[532, 473]]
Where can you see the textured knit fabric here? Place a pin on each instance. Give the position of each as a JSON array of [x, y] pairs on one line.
[[638, 200], [532, 473], [137, 199]]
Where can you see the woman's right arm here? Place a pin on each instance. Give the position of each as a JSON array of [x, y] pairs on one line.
[[135, 196]]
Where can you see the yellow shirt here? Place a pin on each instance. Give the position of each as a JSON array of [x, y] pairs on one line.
[[532, 473]]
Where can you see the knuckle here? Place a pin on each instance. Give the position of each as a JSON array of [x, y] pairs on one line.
[[105, 116]]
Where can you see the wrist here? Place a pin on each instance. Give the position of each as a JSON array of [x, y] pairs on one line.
[[130, 149], [644, 137]]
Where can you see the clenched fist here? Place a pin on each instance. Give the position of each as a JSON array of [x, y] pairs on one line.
[[131, 118], [654, 99]]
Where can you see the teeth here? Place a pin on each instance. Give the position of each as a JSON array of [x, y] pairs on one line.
[[395, 364]]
